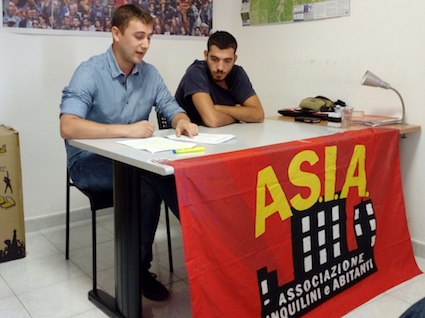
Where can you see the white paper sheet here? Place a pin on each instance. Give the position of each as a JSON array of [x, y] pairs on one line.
[[156, 144], [375, 121], [212, 139]]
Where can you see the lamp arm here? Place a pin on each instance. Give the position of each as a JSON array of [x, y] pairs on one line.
[[402, 104]]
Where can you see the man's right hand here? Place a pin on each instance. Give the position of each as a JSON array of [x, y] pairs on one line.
[[141, 129]]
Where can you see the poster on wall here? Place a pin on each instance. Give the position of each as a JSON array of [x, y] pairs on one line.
[[171, 17], [261, 12]]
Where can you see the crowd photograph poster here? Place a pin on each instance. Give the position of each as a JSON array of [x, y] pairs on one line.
[[171, 17]]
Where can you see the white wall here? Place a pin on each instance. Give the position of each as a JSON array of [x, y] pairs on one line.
[[286, 62]]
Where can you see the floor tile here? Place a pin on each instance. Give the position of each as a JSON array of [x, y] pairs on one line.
[[421, 263], [38, 246], [82, 257], [106, 280], [80, 236], [95, 313], [25, 274], [410, 291], [107, 222], [386, 306], [11, 307], [59, 300], [5, 291]]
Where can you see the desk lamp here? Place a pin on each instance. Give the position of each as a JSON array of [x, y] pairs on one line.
[[370, 79]]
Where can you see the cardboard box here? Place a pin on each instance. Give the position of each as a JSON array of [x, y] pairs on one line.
[[12, 228]]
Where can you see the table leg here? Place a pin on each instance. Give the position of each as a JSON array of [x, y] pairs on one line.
[[105, 302], [127, 302], [127, 240]]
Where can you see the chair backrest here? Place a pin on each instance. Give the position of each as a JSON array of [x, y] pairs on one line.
[[162, 122]]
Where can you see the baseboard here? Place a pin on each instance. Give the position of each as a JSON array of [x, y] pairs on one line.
[[418, 248], [58, 219]]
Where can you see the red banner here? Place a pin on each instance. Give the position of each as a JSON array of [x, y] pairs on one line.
[[312, 227]]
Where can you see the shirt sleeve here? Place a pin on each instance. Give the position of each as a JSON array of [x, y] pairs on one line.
[[195, 81], [165, 103], [242, 87], [77, 97]]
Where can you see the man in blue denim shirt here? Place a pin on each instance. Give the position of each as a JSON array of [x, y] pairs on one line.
[[109, 96]]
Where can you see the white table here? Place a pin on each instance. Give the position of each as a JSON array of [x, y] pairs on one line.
[[247, 136]]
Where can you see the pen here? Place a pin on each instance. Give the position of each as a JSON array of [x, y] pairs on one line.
[[188, 150]]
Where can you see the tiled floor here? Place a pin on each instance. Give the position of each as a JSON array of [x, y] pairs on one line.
[[45, 285]]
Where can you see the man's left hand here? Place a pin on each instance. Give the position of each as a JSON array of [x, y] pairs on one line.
[[185, 127]]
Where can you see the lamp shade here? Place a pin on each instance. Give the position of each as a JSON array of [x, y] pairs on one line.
[[370, 79]]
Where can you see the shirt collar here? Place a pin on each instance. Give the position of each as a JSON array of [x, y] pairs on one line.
[[113, 64]]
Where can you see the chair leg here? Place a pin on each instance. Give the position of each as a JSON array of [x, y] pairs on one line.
[[170, 251], [67, 219], [94, 249]]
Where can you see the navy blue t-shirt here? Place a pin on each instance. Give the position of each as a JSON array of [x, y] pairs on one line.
[[198, 79]]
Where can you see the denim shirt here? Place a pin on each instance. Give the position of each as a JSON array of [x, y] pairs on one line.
[[99, 91]]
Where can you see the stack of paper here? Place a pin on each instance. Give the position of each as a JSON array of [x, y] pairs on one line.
[[156, 144], [374, 121], [212, 139], [171, 142]]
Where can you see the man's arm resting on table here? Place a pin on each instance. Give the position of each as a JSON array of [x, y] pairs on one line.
[[250, 112], [221, 115], [209, 114], [72, 126]]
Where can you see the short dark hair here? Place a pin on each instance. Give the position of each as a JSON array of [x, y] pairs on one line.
[[223, 40], [124, 14]]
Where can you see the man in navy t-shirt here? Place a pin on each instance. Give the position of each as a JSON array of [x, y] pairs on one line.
[[216, 92]]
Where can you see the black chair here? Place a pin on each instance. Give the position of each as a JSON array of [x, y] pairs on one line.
[[98, 200], [163, 124], [102, 200]]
